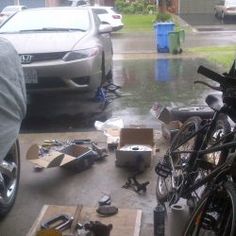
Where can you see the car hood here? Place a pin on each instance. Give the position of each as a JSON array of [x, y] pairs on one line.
[[44, 42]]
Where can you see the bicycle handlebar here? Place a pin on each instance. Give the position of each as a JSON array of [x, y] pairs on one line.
[[224, 81]]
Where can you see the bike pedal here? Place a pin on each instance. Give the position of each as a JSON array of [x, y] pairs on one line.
[[162, 170], [208, 222]]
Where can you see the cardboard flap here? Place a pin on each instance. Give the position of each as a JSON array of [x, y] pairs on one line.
[[143, 136], [73, 152], [67, 159], [52, 159], [32, 152]]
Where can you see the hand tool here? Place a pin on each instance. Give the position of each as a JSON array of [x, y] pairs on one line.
[[76, 218], [60, 222]]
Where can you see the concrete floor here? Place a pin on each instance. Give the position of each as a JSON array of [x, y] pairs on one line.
[[62, 187]]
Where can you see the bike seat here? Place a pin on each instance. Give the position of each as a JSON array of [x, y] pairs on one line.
[[213, 102]]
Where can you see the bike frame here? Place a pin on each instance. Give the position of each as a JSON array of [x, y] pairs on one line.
[[187, 187]]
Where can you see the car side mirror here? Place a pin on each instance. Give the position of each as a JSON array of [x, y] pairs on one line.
[[105, 28]]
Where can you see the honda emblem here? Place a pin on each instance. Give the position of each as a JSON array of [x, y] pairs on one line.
[[26, 59]]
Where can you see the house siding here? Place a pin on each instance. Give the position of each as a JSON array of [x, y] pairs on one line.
[[193, 6]]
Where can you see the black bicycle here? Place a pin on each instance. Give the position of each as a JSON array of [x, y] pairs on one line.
[[215, 213], [183, 164]]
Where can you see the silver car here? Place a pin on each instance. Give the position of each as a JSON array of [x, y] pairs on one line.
[[61, 48]]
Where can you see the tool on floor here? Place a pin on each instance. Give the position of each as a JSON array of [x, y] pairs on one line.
[[135, 185], [105, 200], [101, 152], [107, 210], [76, 219], [81, 141], [59, 222], [98, 228]]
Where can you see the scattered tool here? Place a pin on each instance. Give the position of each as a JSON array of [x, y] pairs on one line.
[[81, 141], [107, 210], [135, 185], [105, 200], [76, 218], [60, 223], [98, 228], [101, 152]]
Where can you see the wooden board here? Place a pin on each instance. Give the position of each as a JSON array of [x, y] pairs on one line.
[[126, 222]]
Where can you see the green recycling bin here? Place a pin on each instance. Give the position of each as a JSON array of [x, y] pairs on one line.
[[176, 38], [174, 42], [181, 36]]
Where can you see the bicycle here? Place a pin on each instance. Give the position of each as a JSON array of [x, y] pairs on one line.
[[215, 213], [181, 168]]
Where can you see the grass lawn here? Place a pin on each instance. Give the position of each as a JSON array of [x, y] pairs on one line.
[[142, 23], [134, 23], [222, 55]]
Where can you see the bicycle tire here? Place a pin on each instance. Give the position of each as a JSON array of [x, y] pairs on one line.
[[215, 213], [221, 128], [163, 187]]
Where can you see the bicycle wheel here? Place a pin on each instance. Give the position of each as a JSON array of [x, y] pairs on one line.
[[221, 128], [183, 141], [215, 213], [9, 179]]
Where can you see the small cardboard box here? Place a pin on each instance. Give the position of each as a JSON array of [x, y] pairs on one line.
[[136, 145], [72, 156]]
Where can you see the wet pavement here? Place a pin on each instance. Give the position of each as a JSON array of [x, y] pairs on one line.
[[142, 81], [198, 20]]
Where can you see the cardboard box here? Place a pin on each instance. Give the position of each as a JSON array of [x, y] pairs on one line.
[[136, 147], [72, 156]]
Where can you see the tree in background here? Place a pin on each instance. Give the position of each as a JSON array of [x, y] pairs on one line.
[[162, 5]]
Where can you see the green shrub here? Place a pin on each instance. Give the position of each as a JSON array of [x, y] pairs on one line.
[[150, 9], [136, 7], [129, 10], [139, 8], [163, 16], [121, 5]]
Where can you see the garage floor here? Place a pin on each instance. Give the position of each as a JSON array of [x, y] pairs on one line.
[[58, 186]]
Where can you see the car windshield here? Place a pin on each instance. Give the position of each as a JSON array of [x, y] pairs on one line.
[[42, 20]]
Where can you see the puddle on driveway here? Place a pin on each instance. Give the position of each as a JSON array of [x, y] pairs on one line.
[[168, 81], [143, 82]]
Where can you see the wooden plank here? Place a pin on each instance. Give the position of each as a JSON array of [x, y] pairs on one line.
[[126, 222]]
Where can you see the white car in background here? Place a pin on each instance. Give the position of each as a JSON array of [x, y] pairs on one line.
[[108, 15], [224, 8], [10, 10]]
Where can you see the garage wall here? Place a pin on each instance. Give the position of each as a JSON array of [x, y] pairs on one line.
[[193, 6]]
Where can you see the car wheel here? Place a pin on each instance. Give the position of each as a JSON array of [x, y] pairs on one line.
[[183, 113], [9, 179]]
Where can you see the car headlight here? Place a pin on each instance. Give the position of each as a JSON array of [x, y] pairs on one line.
[[80, 54]]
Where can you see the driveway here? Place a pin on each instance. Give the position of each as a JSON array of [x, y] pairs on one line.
[[208, 22]]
